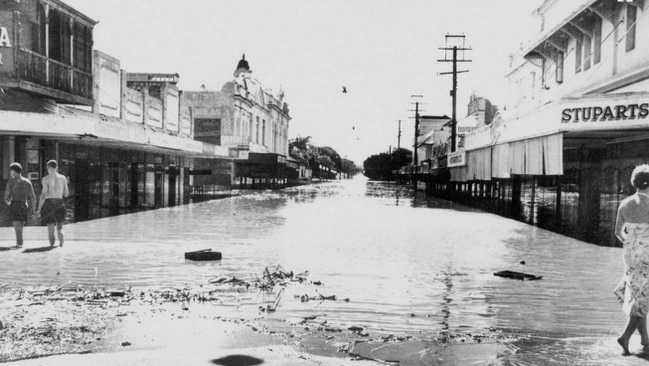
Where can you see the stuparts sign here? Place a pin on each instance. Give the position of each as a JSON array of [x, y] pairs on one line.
[[603, 114]]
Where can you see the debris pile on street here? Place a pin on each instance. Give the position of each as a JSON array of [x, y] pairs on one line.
[[72, 319], [48, 321], [61, 319]]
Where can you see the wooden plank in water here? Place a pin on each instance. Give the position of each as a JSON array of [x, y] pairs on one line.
[[517, 275], [203, 255]]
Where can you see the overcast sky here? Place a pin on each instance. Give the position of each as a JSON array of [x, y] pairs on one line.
[[382, 51]]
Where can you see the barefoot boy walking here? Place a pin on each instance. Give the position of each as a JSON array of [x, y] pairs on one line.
[[20, 197], [50, 205]]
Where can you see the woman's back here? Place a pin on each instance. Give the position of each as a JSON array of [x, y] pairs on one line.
[[635, 209]]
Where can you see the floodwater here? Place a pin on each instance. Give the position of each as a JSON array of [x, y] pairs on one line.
[[409, 264]]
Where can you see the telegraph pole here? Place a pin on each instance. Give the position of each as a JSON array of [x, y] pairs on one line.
[[414, 152], [454, 39], [399, 137]]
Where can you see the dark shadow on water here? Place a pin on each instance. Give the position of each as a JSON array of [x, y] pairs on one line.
[[237, 360], [643, 355], [39, 249]]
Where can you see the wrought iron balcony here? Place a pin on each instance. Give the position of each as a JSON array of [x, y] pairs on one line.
[[62, 82]]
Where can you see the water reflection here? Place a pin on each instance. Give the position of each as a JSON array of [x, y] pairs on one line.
[[410, 264]]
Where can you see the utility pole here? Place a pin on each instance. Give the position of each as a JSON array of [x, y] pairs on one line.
[[399, 137], [455, 40], [414, 151]]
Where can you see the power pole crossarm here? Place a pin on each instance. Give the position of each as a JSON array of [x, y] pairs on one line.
[[454, 60]]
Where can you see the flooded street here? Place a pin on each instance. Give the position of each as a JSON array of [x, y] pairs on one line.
[[409, 264]]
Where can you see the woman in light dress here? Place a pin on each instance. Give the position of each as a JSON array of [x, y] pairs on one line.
[[632, 228]]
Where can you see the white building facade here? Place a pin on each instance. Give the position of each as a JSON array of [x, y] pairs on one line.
[[576, 123], [247, 120]]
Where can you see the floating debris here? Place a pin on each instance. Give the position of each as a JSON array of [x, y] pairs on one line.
[[517, 275], [68, 318]]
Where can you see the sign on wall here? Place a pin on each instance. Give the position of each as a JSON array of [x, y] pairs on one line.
[[154, 113], [608, 113], [207, 127], [110, 88], [457, 158], [4, 37], [172, 110], [134, 108], [185, 122], [6, 57]]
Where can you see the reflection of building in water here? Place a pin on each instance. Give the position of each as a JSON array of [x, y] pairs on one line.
[[560, 152], [447, 299]]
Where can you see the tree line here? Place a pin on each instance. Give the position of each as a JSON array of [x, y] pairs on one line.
[[323, 161], [383, 166]]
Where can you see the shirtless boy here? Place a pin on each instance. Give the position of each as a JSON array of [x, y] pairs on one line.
[[50, 204], [20, 197]]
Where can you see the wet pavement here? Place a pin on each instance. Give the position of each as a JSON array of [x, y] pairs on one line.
[[410, 265]]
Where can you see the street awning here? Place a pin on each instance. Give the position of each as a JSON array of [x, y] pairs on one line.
[[104, 131], [541, 155]]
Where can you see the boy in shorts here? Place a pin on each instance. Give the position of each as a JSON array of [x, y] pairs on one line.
[[50, 205], [19, 195]]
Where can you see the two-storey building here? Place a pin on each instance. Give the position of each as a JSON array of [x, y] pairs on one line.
[[250, 122], [123, 140], [560, 153]]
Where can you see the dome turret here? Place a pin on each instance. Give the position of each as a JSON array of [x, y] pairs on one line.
[[242, 66]]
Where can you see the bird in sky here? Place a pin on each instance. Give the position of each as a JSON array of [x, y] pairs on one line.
[[353, 127], [344, 89]]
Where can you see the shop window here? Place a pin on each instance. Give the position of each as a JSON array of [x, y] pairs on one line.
[[263, 132], [141, 185], [40, 33], [82, 47], [66, 44], [597, 41], [587, 52], [631, 14], [149, 186], [55, 28], [32, 30]]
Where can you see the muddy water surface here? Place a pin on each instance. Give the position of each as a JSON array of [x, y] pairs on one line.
[[409, 264]]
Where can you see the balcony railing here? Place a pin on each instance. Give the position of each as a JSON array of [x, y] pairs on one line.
[[40, 70]]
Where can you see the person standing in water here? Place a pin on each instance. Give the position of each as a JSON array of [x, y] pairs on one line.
[[51, 206], [20, 197], [632, 229]]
